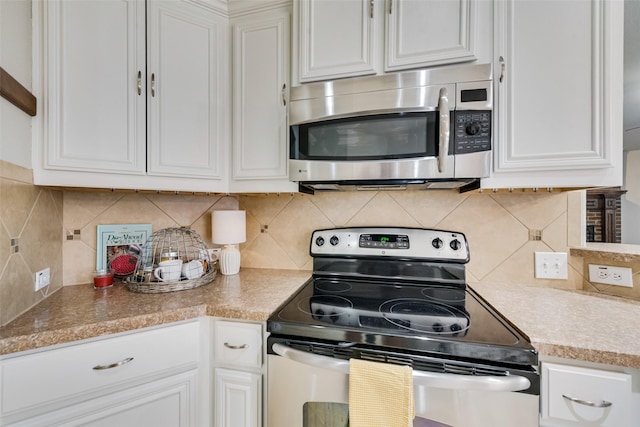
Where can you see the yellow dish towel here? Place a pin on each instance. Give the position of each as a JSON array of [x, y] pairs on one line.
[[380, 394]]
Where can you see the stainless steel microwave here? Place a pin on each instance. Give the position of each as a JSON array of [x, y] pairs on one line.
[[418, 129]]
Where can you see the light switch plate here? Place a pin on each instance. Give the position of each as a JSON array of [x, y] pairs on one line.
[[551, 265]]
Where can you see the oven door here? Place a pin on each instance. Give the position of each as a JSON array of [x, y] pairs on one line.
[[307, 390]]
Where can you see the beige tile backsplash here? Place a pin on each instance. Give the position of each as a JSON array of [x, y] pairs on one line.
[[31, 236], [57, 229]]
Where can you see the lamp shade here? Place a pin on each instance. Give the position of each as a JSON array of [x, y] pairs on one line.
[[228, 227]]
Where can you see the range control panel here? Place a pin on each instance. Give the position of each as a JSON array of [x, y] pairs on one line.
[[413, 243]]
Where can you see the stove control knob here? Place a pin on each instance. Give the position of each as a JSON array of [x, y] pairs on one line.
[[455, 327], [319, 314], [334, 317], [320, 241], [455, 244], [437, 243], [334, 240]]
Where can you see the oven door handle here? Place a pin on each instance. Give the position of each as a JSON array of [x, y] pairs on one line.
[[420, 378]]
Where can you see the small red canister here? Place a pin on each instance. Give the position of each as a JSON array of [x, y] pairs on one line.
[[103, 278]]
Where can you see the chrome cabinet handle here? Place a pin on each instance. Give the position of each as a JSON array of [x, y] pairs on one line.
[[602, 404], [390, 6], [153, 84], [502, 68], [113, 365], [284, 99], [236, 347], [443, 146], [139, 82], [371, 9]]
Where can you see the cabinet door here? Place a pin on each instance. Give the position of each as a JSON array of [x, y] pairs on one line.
[[336, 38], [168, 402], [94, 69], [261, 46], [559, 94], [425, 33], [187, 92], [238, 398]]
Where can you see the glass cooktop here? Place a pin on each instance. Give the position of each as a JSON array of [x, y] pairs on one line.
[[430, 318]]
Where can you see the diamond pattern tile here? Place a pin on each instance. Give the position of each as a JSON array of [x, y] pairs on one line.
[[493, 233], [292, 228]]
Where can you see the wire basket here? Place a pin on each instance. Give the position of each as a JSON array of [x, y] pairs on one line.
[[172, 259]]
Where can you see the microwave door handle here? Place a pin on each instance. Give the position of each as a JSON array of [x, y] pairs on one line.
[[420, 378], [443, 143]]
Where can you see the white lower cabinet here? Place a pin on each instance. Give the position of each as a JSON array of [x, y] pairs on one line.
[[238, 374], [238, 398], [151, 377], [580, 396]]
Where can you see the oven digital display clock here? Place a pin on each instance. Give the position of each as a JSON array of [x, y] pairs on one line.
[[387, 241]]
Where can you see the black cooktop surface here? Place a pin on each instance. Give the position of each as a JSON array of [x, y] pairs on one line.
[[423, 317]]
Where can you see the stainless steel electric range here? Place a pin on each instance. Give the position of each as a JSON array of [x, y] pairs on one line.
[[398, 295]]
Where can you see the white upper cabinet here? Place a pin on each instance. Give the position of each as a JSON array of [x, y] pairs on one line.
[[131, 99], [260, 71], [186, 57], [558, 82], [95, 106], [424, 33], [335, 39]]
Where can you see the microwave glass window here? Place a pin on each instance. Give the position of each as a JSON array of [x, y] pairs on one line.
[[392, 136]]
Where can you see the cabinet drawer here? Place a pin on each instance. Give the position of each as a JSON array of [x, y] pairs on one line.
[[238, 344], [72, 374], [592, 390]]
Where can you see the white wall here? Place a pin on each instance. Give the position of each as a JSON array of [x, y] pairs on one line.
[[16, 59], [631, 200]]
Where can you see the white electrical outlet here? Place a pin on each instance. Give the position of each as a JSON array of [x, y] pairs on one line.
[[619, 276], [551, 265], [43, 278]]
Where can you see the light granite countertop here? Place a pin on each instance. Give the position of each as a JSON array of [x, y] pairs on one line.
[[568, 324]]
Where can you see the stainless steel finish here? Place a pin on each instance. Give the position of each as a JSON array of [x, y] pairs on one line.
[[435, 89], [112, 365], [421, 248], [236, 347], [139, 82], [420, 378], [443, 142], [602, 404], [305, 170], [423, 98], [153, 84], [401, 84], [467, 166]]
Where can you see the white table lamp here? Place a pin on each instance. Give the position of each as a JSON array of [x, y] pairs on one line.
[[228, 228]]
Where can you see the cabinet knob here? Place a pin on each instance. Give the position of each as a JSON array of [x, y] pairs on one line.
[[139, 82]]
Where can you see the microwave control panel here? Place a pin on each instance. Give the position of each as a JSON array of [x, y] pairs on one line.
[[472, 131]]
